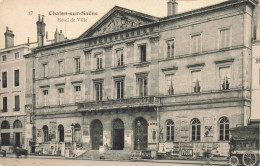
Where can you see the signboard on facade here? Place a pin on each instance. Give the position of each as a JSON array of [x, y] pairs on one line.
[[162, 148], [182, 130], [28, 129], [208, 130], [53, 127], [39, 136], [186, 149], [68, 135], [128, 138], [85, 130], [152, 132]]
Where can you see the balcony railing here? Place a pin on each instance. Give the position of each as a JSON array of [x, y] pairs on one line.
[[119, 103]]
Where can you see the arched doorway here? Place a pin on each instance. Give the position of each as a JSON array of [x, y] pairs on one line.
[[45, 130], [141, 134], [5, 136], [96, 134], [61, 133], [118, 134], [17, 135]]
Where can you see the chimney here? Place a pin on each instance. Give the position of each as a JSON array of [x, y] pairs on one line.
[[61, 36], [40, 30], [9, 38], [172, 7], [56, 36]]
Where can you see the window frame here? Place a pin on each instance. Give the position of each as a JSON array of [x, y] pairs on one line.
[[45, 70], [99, 59], [4, 81], [61, 68], [15, 55], [77, 67], [77, 93], [45, 97], [142, 58], [119, 60], [168, 86], [3, 104], [145, 90], [170, 54], [197, 137], [192, 37], [224, 129], [61, 96], [17, 97], [4, 58], [98, 94], [200, 81], [170, 130], [220, 38], [16, 82]]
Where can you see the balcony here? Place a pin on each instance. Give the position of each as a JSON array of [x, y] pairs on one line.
[[149, 101]]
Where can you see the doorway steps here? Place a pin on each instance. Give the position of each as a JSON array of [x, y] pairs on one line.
[[108, 155]]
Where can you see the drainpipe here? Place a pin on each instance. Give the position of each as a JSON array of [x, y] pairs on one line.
[[158, 122]]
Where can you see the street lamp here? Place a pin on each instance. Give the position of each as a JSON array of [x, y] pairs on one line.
[[72, 132]]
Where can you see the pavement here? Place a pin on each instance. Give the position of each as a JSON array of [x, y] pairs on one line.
[[188, 162]]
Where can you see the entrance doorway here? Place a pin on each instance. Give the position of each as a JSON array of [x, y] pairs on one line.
[[96, 134], [17, 139], [118, 135], [141, 134]]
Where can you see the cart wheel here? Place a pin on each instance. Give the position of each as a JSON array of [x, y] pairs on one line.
[[234, 160], [249, 159]]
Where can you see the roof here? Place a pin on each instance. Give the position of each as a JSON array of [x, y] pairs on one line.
[[147, 19]]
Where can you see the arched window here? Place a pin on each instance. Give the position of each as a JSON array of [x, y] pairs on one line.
[[61, 133], [77, 131], [169, 130], [5, 125], [45, 133], [96, 131], [18, 124], [195, 129], [141, 134], [223, 129]]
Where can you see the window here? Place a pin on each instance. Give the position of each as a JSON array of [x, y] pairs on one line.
[[142, 53], [99, 60], [120, 89], [61, 67], [170, 48], [5, 104], [16, 78], [196, 43], [77, 65], [3, 58], [45, 133], [45, 70], [196, 81], [195, 130], [224, 38], [16, 55], [5, 125], [169, 130], [120, 57], [61, 96], [4, 79], [45, 94], [61, 133], [77, 93], [170, 83], [17, 103], [17, 124], [142, 85], [98, 88], [224, 78], [223, 129]]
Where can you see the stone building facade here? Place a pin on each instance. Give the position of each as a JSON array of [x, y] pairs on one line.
[[137, 82], [13, 106]]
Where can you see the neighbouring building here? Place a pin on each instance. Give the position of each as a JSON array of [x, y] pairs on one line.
[[13, 117], [136, 82]]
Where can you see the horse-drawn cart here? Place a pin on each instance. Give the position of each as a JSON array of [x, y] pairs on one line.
[[244, 145]]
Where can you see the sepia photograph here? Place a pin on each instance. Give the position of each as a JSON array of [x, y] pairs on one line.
[[134, 83]]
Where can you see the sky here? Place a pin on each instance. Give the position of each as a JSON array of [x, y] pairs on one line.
[[21, 15]]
